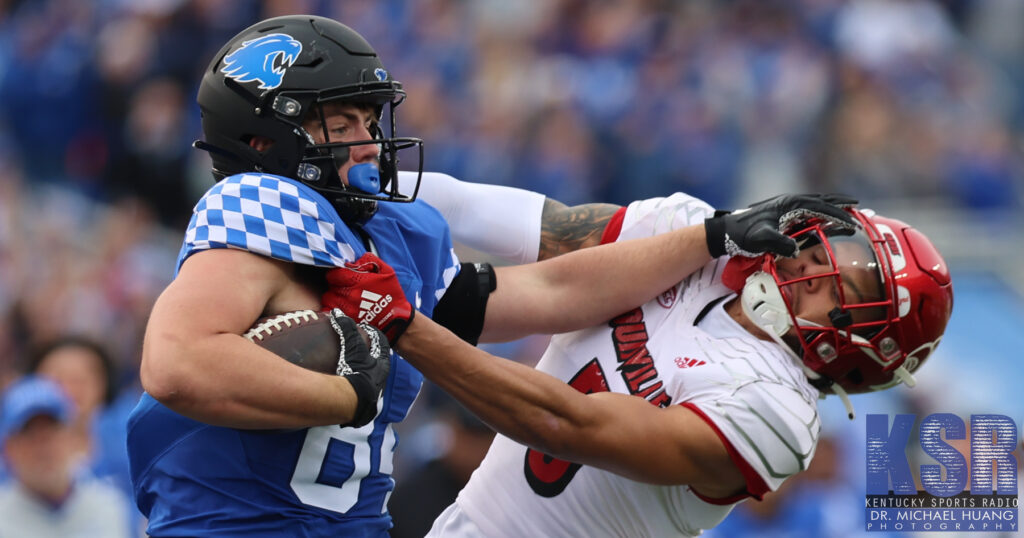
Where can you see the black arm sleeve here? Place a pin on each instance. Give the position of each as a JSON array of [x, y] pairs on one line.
[[461, 309]]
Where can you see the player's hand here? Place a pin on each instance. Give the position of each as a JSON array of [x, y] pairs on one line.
[[365, 360], [368, 290], [759, 229]]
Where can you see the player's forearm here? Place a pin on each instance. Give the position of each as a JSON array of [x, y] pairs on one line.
[[227, 381], [590, 286], [524, 404], [599, 429]]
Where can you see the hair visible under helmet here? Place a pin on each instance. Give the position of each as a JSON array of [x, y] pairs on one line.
[[278, 72]]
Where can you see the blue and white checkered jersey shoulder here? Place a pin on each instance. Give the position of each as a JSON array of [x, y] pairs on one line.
[[283, 219]]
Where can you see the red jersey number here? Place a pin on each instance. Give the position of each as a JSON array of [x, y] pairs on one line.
[[549, 476]]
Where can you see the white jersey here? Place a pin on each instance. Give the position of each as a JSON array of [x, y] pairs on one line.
[[750, 391]]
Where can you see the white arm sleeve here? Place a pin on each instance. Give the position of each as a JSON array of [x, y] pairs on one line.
[[503, 222]]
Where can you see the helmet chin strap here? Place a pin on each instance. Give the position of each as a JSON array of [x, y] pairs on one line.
[[763, 304]]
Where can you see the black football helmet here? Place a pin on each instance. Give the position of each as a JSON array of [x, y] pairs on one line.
[[270, 77]]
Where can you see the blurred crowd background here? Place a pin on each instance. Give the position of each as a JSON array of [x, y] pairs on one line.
[[914, 106]]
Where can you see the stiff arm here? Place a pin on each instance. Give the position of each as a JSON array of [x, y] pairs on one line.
[[599, 429]]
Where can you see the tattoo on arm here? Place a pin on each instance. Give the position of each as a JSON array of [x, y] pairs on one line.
[[565, 229]]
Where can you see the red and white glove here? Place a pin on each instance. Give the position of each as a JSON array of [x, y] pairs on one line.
[[368, 290]]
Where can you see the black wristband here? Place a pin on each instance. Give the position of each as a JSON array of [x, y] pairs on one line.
[[714, 235], [366, 399]]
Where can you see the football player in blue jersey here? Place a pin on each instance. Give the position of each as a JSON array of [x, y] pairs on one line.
[[298, 116]]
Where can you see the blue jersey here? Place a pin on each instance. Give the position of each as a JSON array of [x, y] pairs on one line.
[[194, 479]]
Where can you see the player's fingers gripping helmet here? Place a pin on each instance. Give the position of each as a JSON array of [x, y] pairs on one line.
[[276, 73], [892, 298]]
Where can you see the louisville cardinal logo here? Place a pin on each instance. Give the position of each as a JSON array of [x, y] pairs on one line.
[[668, 298], [262, 60]]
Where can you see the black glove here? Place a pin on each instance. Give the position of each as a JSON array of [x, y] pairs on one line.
[[365, 363], [759, 228]]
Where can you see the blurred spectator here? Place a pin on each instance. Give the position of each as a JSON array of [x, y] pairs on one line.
[[88, 375], [152, 163], [874, 33], [461, 441], [46, 79], [46, 497], [617, 100]]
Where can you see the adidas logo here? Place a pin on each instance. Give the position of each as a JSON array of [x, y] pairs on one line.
[[371, 305], [687, 362]]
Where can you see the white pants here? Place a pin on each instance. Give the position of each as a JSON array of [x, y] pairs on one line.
[[454, 523]]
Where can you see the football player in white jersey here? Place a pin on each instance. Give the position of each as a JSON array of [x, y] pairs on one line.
[[659, 421], [298, 116]]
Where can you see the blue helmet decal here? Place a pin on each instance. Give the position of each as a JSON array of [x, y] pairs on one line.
[[381, 74], [263, 59]]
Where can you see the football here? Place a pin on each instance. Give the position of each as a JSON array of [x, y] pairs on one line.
[[303, 337]]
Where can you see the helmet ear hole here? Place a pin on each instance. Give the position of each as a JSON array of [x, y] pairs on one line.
[[855, 377]]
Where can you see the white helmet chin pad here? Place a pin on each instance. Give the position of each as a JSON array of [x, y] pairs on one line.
[[763, 304]]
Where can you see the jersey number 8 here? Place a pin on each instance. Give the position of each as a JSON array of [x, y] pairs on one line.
[[334, 461]]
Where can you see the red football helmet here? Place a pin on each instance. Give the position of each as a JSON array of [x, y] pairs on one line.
[[892, 297]]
